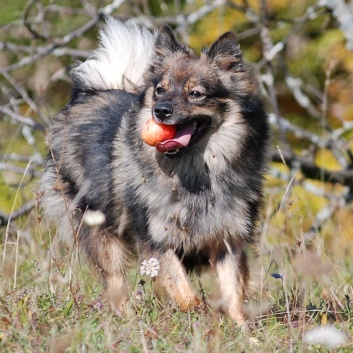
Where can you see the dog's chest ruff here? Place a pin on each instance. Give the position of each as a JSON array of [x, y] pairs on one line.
[[192, 211]]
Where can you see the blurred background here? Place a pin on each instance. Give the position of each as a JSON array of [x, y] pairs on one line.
[[302, 52]]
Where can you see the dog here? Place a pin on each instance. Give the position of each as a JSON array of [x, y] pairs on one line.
[[188, 203]]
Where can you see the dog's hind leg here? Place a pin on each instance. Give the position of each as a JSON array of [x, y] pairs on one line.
[[174, 280], [110, 256], [233, 275]]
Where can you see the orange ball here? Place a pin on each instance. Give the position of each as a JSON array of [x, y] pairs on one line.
[[153, 132]]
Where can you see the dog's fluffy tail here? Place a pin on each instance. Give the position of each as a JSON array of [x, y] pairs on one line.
[[120, 61]]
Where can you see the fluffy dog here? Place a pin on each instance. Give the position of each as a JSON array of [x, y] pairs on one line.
[[193, 201]]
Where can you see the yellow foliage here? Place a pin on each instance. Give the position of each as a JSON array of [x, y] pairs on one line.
[[344, 218], [294, 212], [214, 25], [325, 159], [348, 112]]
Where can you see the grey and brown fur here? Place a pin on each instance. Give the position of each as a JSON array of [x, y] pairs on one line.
[[197, 207]]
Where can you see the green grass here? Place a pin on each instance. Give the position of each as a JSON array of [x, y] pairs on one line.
[[53, 303]]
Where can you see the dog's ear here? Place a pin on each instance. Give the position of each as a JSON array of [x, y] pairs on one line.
[[166, 45], [225, 53]]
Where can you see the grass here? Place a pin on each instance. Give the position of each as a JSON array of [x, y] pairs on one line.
[[53, 303]]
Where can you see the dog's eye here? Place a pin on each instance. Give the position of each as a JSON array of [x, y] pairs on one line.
[[159, 90], [195, 94]]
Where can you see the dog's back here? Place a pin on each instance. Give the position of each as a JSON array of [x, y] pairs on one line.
[[107, 82]]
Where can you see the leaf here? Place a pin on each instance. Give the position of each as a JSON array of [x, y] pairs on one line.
[[276, 275], [323, 319]]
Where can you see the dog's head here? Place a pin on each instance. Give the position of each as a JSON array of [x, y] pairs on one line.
[[194, 93]]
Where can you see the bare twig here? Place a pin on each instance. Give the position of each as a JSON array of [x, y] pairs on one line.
[[22, 119], [21, 158], [312, 171], [28, 23], [26, 208], [12, 168], [45, 51]]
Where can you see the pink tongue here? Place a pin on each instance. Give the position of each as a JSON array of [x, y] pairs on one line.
[[181, 139]]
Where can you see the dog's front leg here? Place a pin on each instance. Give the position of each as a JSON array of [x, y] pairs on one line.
[[173, 279], [233, 275]]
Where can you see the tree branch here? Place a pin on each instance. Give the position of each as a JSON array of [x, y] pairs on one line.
[[28, 207], [312, 171]]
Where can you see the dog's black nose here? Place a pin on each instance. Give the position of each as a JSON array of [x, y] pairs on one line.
[[163, 111]]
